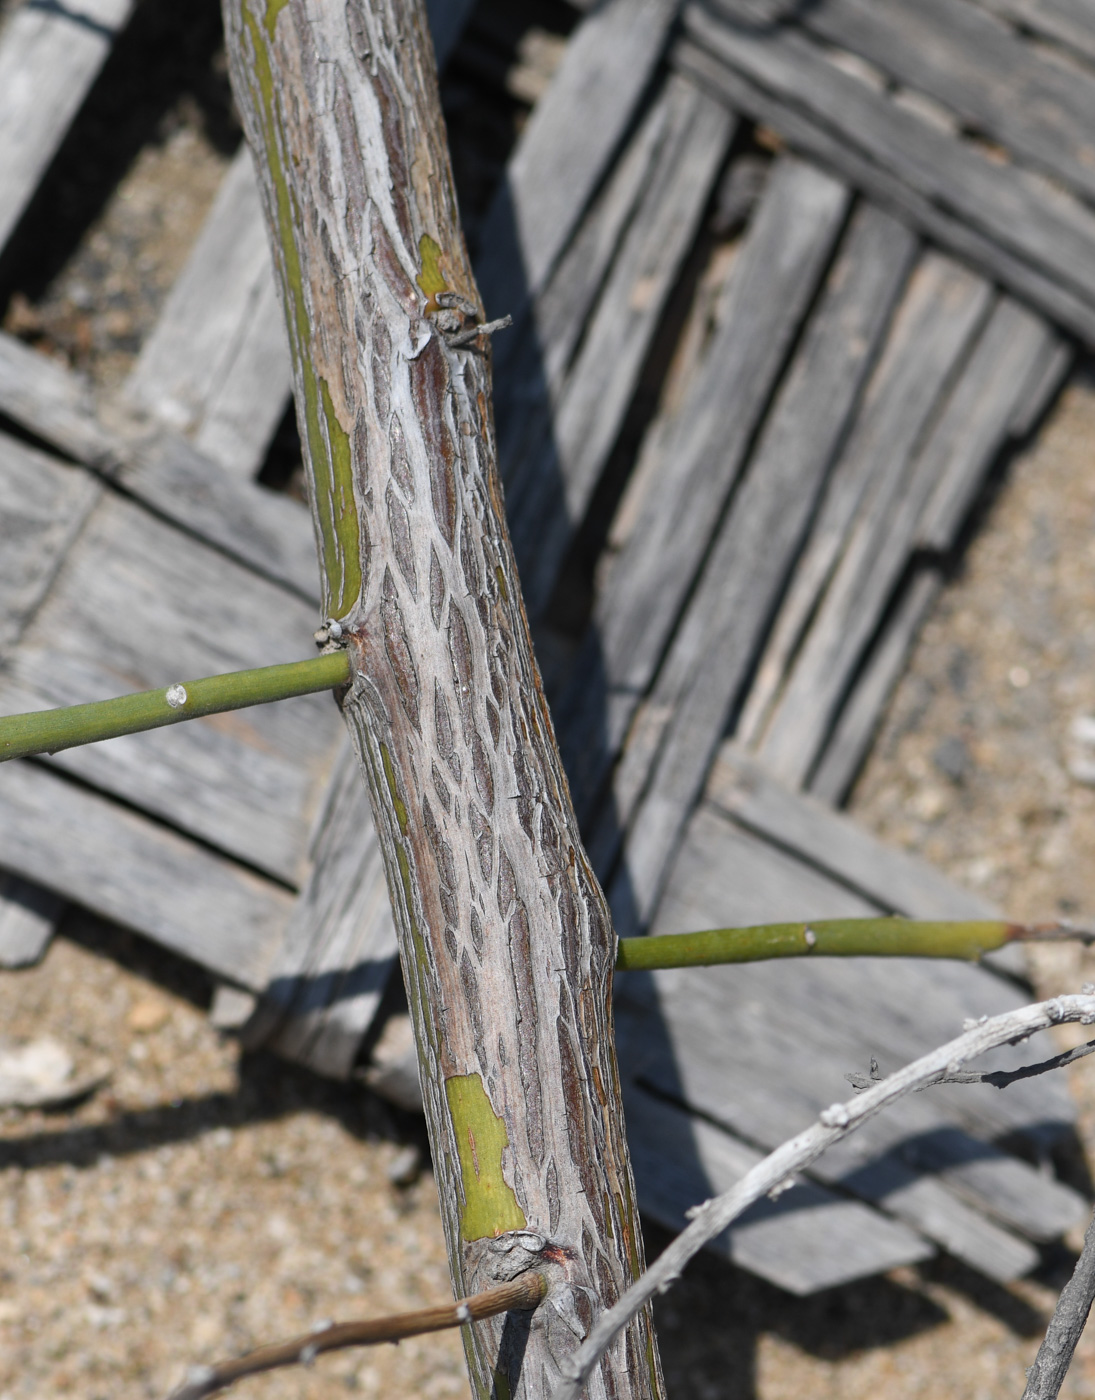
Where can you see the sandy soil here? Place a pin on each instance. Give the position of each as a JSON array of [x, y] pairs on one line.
[[202, 1201]]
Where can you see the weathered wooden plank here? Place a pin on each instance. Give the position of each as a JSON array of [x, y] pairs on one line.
[[940, 315], [892, 880], [48, 61], [993, 80], [265, 530], [902, 1007], [531, 360], [889, 182], [807, 1240], [946, 471], [850, 741], [247, 783], [1052, 230], [698, 455], [1070, 22], [43, 506], [567, 147], [675, 735], [28, 916], [216, 364], [90, 849], [339, 947], [550, 495], [51, 402], [832, 1015], [1007, 370]]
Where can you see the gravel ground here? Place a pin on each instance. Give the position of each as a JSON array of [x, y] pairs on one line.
[[201, 1201]]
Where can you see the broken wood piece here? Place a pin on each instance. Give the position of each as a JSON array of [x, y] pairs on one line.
[[49, 58]]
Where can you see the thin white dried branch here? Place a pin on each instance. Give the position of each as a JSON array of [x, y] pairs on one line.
[[777, 1169]]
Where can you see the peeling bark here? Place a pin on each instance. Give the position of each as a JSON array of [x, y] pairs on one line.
[[505, 935]]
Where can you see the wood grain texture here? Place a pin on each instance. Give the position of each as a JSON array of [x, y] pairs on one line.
[[144, 876], [992, 79], [48, 60], [1070, 22], [493, 896], [216, 364], [938, 190], [933, 498], [28, 916], [674, 736], [1055, 233], [44, 504], [939, 316], [892, 880], [567, 147], [690, 464], [549, 495], [53, 403]]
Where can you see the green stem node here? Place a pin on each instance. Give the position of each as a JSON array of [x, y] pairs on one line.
[[48, 731]]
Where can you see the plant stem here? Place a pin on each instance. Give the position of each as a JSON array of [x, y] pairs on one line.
[[883, 937], [48, 731]]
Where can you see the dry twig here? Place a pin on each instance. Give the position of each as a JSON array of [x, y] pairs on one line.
[[835, 1123], [1069, 1317], [525, 1291]]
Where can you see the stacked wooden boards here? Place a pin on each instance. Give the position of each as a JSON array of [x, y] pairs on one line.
[[836, 396]]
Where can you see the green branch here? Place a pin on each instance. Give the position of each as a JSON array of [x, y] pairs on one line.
[[895, 937], [47, 731]]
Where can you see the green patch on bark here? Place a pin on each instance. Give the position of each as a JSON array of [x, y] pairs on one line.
[[431, 279], [329, 459], [398, 804], [489, 1206], [273, 9]]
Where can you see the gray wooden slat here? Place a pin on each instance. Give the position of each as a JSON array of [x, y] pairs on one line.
[[1008, 368], [568, 458], [263, 529], [87, 848], [43, 506], [49, 58], [50, 401], [808, 1022], [940, 315], [1053, 231], [912, 192], [136, 604], [850, 741], [987, 75], [530, 362], [1070, 22], [902, 1007], [807, 1240], [216, 364], [28, 916], [340, 946], [697, 456], [567, 147], [675, 734], [895, 882], [268, 532], [946, 472]]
